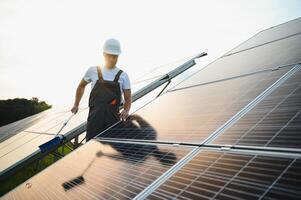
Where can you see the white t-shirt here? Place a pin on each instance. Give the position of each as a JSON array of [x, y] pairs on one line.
[[91, 75]]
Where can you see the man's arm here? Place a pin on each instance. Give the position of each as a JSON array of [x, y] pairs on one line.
[[127, 104], [79, 93]]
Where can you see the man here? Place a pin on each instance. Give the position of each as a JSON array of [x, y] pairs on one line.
[[108, 85]]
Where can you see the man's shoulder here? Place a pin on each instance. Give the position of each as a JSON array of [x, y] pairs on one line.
[[123, 74]]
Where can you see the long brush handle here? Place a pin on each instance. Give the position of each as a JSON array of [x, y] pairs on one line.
[[65, 123]]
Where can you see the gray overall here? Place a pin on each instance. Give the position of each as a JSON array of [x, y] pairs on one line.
[[104, 102]]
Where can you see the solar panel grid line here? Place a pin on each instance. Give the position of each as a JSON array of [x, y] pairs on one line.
[[233, 177], [262, 44], [188, 185], [276, 180], [272, 138], [206, 167], [275, 122], [251, 105], [262, 167], [271, 110], [129, 183], [238, 183], [234, 77], [154, 185]]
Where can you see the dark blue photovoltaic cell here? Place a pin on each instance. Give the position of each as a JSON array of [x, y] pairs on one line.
[[191, 115], [221, 175], [101, 170], [274, 122], [272, 34]]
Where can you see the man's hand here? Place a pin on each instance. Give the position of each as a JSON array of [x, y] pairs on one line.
[[124, 115], [74, 109], [127, 104]]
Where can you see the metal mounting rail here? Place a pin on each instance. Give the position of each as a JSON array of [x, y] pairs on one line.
[[275, 151], [74, 133]]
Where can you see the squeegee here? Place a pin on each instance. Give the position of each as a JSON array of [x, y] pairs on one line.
[[58, 139]]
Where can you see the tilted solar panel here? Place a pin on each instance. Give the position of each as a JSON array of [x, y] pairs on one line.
[[11, 129], [191, 115], [275, 122], [20, 146], [102, 170], [26, 142], [269, 56], [221, 175], [272, 34]]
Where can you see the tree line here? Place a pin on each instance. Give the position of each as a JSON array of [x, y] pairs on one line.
[[12, 110]]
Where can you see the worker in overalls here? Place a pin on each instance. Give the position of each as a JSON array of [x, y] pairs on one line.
[[110, 86]]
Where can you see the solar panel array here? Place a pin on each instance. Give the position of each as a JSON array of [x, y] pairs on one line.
[[230, 131], [221, 175], [198, 111]]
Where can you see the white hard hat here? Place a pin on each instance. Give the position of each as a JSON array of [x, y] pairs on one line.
[[112, 46]]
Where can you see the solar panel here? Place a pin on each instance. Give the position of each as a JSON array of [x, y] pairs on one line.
[[191, 115], [275, 122], [191, 112], [19, 146], [265, 57], [11, 129], [222, 175], [272, 34], [102, 170]]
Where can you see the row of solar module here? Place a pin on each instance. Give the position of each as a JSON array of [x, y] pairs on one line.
[[270, 35], [273, 122], [22, 140], [118, 170], [210, 174]]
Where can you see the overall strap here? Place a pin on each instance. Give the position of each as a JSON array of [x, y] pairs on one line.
[[117, 76], [99, 73]]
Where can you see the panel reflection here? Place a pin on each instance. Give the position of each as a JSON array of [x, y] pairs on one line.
[[101, 170]]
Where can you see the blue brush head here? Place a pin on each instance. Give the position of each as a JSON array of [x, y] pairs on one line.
[[50, 144]]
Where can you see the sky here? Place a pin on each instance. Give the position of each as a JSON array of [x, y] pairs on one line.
[[46, 46]]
